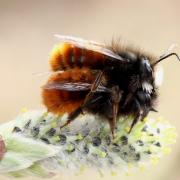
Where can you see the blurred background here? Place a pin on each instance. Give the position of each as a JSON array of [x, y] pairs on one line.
[[26, 38]]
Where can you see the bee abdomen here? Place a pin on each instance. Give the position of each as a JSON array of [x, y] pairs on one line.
[[67, 56], [61, 101]]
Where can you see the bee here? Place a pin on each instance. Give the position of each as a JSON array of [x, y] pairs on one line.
[[110, 81]]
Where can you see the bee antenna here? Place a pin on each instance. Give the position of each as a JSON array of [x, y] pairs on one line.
[[167, 56]]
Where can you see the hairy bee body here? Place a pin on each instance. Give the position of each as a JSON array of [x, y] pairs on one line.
[[109, 81], [67, 56], [63, 101]]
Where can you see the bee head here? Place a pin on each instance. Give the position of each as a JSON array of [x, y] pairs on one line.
[[146, 71]]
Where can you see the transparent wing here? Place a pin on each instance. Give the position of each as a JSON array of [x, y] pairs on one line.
[[91, 45], [73, 86]]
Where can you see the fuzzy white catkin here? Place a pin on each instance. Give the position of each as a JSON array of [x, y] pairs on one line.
[[36, 146]]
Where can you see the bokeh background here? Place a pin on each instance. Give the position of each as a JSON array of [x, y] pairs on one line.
[[26, 38]]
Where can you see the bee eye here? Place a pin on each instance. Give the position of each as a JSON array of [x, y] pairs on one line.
[[145, 68], [146, 64]]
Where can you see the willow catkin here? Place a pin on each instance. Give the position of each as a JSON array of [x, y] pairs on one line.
[[36, 145]]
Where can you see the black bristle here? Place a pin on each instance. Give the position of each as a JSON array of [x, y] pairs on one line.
[[144, 129], [115, 148], [86, 149], [158, 130], [35, 131], [148, 152], [140, 143], [27, 124], [63, 139], [43, 121], [138, 157], [125, 153], [96, 141], [111, 161], [45, 140], [108, 140], [124, 140], [131, 148], [51, 132], [158, 144], [72, 150], [152, 142], [85, 132], [16, 129]]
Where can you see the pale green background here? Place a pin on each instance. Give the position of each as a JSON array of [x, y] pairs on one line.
[[26, 37]]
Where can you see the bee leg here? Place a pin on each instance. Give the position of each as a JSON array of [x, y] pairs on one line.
[[79, 110], [128, 99], [97, 81], [94, 86], [112, 126], [138, 117], [146, 112], [72, 116], [152, 109], [115, 98]]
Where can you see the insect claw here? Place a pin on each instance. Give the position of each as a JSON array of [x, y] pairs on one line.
[[132, 125], [65, 124], [113, 135], [82, 112], [154, 110], [131, 128]]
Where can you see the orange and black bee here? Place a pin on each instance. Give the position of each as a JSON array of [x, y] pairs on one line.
[[110, 81]]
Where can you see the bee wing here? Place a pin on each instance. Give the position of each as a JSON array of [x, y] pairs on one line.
[[72, 86], [90, 45]]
